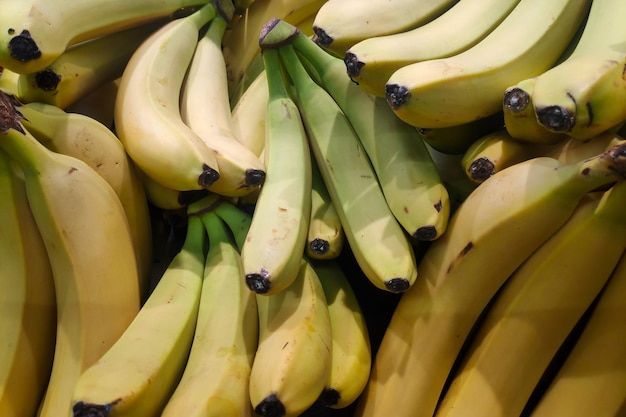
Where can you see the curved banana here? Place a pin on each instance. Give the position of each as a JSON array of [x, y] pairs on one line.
[[573, 150], [371, 61], [351, 351], [88, 242], [340, 24], [36, 32], [325, 237], [205, 108], [519, 115], [377, 240], [469, 86], [585, 94], [85, 138], [592, 379], [431, 322], [138, 373], [237, 220], [293, 358], [27, 300], [250, 114], [275, 243], [216, 376], [406, 173], [536, 310], [147, 110], [83, 68]]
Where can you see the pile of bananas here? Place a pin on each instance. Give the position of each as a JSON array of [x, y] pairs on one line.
[[204, 201]]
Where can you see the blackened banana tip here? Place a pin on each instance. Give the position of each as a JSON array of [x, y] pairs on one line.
[[426, 233], [556, 118], [47, 80], [321, 38], [353, 65], [255, 177], [397, 285], [23, 47], [271, 406], [258, 283], [319, 246], [481, 169], [397, 95], [515, 100], [208, 177]]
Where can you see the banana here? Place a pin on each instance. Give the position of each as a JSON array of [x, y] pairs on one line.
[[216, 377], [457, 183], [166, 198], [461, 271], [82, 68], [469, 85], [371, 61], [249, 115], [584, 95], [27, 300], [88, 242], [539, 306], [276, 240], [293, 358], [241, 171], [379, 243], [138, 373], [325, 237], [98, 104], [519, 115], [147, 111], [406, 173], [351, 351], [592, 379], [241, 44], [85, 138], [573, 150], [340, 24], [36, 32], [237, 220]]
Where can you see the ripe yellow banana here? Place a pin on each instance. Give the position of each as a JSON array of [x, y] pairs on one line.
[[88, 242], [147, 109], [340, 24], [216, 376], [99, 104], [82, 68], [85, 138], [371, 61], [205, 108], [293, 358], [138, 373], [469, 86], [461, 271], [27, 300], [376, 239], [36, 32], [351, 351], [275, 243], [592, 380], [406, 173], [539, 306], [586, 93], [249, 115]]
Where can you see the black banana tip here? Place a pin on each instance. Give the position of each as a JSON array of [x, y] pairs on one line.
[[23, 47], [259, 283], [556, 118], [480, 169], [397, 285], [319, 246], [83, 409], [397, 95], [353, 65], [271, 406], [515, 100], [329, 397], [47, 80], [208, 176], [321, 38], [426, 233], [255, 177]]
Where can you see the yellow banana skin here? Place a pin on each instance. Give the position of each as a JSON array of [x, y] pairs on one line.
[[138, 373], [27, 300], [433, 318], [216, 375], [469, 86], [86, 235], [592, 380], [340, 24], [292, 362], [585, 94], [36, 32], [539, 306], [147, 108], [370, 62], [277, 236], [249, 115], [85, 138], [351, 350]]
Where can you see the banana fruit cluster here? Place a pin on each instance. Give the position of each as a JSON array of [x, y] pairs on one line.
[[183, 182]]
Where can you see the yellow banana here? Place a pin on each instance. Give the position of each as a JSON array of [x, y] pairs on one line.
[[250, 114], [88, 242], [27, 300], [138, 373], [469, 85], [461, 271], [147, 110], [275, 243], [99, 104]]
